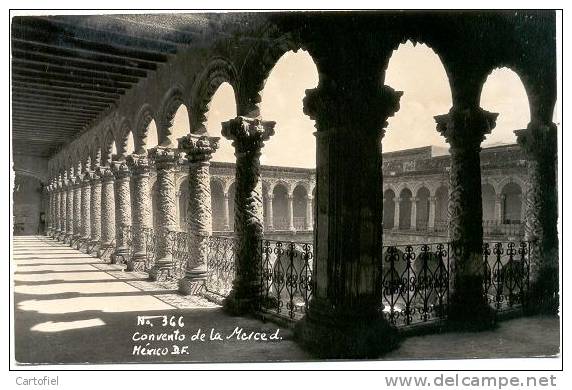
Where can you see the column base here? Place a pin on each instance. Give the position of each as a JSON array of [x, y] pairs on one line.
[[120, 256], [237, 305], [193, 283], [137, 262], [355, 333], [468, 309], [543, 294], [162, 270]]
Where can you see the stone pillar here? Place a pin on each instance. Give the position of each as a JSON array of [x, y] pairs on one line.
[[63, 207], [165, 160], [498, 209], [77, 229], [413, 225], [49, 206], [86, 208], [539, 142], [199, 150], [432, 207], [107, 208], [142, 220], [95, 209], [345, 317], [248, 137], [122, 196], [309, 212], [396, 214], [225, 211], [270, 210], [69, 209], [464, 130], [290, 211]]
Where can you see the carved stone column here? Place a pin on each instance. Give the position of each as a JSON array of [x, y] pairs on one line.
[[432, 207], [539, 141], [86, 208], [464, 130], [122, 198], [69, 209], [248, 137], [95, 209], [345, 317], [413, 225], [77, 223], [199, 150], [498, 208], [396, 214], [309, 212], [290, 212], [62, 207], [270, 210], [165, 160], [49, 210], [142, 220], [107, 208], [225, 211]]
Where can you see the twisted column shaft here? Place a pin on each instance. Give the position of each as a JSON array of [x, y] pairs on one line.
[[199, 150], [122, 208], [77, 222], [107, 207], [69, 210], [165, 160], [465, 130], [86, 208], [142, 220], [95, 209], [248, 137]]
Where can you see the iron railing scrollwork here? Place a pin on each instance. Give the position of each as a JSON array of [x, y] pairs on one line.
[[506, 273], [286, 277], [220, 265], [415, 282]]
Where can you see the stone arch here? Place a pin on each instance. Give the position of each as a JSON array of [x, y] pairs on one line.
[[405, 206], [218, 70], [488, 198], [422, 195], [299, 203], [280, 192], [512, 98], [169, 106], [219, 222], [144, 119], [122, 138], [511, 203], [388, 208], [259, 62], [107, 147]]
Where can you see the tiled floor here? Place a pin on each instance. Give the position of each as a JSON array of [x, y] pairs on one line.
[[73, 308]]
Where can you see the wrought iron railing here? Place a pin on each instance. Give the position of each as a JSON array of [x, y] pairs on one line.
[[150, 248], [181, 250], [506, 273], [286, 276], [220, 265], [415, 282]]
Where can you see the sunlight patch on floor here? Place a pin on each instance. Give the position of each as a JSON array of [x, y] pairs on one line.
[[80, 288], [52, 327], [106, 304], [61, 276]]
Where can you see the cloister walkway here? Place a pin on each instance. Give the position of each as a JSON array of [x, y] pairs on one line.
[[73, 308]]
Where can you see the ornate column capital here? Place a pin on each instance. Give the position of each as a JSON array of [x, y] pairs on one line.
[[329, 106], [138, 164], [538, 139], [466, 128], [165, 157], [120, 169], [105, 173], [198, 148], [248, 134]]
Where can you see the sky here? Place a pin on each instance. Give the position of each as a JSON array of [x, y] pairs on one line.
[[415, 70]]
